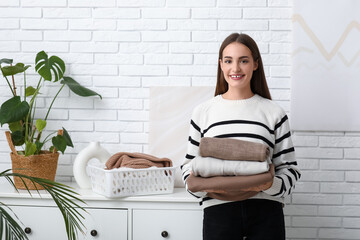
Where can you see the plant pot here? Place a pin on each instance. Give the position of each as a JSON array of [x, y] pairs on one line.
[[43, 165]]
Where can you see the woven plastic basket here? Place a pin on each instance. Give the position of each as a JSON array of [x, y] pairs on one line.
[[122, 182]]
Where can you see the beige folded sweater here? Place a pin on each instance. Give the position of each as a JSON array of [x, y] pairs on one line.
[[233, 149]]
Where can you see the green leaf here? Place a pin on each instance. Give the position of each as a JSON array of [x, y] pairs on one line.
[[13, 110], [39, 145], [76, 88], [51, 149], [47, 67], [29, 91], [12, 70], [59, 142], [30, 148], [15, 126], [40, 124], [18, 138], [67, 138], [6, 60]]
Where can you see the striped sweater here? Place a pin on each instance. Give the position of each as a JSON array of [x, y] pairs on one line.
[[254, 119]]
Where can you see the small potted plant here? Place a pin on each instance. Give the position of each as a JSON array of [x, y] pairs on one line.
[[26, 127]]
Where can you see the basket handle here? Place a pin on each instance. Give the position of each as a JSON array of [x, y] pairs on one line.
[[10, 142], [60, 132]]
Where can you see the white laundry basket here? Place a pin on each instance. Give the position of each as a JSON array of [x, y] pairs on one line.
[[122, 182]]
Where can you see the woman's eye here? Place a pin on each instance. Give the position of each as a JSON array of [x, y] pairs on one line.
[[244, 61], [227, 61]]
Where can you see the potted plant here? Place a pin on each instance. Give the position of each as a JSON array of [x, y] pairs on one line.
[[26, 128]]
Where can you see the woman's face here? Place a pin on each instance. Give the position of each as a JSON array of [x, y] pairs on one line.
[[238, 66]]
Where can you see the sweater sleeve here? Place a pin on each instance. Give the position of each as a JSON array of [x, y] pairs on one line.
[[192, 150], [286, 170]]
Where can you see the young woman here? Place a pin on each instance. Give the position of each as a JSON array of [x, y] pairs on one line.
[[242, 109]]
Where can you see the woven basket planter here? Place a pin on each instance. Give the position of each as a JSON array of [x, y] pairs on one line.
[[43, 165]]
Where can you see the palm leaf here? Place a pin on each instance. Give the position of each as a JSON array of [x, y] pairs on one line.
[[47, 67]]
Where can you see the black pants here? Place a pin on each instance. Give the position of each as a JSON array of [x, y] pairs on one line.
[[252, 219]]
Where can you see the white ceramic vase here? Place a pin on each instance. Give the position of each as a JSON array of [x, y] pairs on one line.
[[93, 150]]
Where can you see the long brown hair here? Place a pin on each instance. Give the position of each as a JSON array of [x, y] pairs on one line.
[[258, 81]]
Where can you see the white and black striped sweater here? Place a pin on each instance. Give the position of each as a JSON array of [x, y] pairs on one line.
[[254, 119]]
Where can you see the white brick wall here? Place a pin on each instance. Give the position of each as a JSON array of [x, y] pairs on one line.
[[119, 48]]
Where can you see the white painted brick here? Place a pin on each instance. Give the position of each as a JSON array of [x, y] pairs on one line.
[[277, 82], [209, 36], [9, 3], [10, 23], [316, 221], [64, 13], [109, 81], [103, 137], [165, 36], [272, 13], [190, 3], [317, 199], [117, 13], [114, 148], [327, 176], [300, 210], [305, 141], [281, 25], [70, 125], [339, 141], [9, 46], [308, 164], [146, 107], [67, 35], [353, 176], [20, 12], [77, 58], [280, 94], [133, 115], [106, 92], [351, 199], [194, 47], [340, 164], [351, 222], [118, 126], [144, 47], [311, 152], [167, 13], [50, 24], [280, 71], [91, 47], [244, 25], [43, 3], [276, 59], [203, 81], [335, 233], [141, 24], [192, 70], [49, 46], [280, 48], [307, 187], [119, 58], [134, 137], [92, 24], [82, 114], [51, 90], [5, 157], [115, 36], [73, 102], [91, 69], [190, 24], [301, 233], [168, 59], [55, 114], [134, 93], [141, 3], [212, 13], [143, 70], [165, 81], [242, 3], [91, 3], [340, 187], [15, 35], [206, 59], [280, 3]]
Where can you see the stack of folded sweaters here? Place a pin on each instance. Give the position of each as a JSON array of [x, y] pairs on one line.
[[231, 169]]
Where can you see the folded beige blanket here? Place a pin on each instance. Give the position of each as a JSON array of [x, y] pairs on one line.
[[233, 149], [136, 160], [221, 184], [210, 167]]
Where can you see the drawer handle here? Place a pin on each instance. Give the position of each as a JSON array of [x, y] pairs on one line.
[[93, 233], [27, 230], [164, 234]]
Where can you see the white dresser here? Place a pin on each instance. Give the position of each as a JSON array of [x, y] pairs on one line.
[[175, 216]]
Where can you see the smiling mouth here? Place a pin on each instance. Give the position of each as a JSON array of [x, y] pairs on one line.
[[237, 77]]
